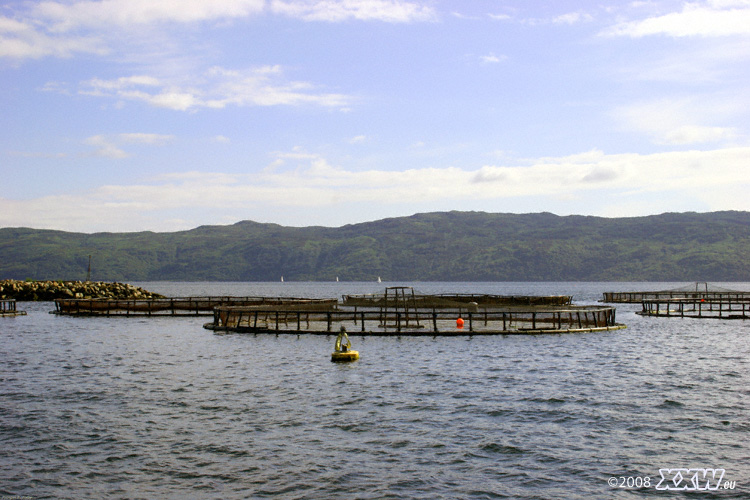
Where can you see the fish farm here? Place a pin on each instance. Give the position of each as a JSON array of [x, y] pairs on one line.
[[399, 311], [696, 291], [179, 306], [727, 308]]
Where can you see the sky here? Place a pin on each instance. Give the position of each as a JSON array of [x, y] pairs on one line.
[[164, 115]]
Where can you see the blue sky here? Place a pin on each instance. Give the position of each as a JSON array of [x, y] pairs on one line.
[[128, 115]]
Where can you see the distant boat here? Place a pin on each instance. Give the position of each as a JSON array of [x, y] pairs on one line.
[[337, 278], [282, 279], [379, 280]]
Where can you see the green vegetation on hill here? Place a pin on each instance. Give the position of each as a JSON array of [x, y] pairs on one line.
[[444, 246]]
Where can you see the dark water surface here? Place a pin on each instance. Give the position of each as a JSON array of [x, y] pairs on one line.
[[162, 408]]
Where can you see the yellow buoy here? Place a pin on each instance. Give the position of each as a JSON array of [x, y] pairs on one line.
[[345, 356], [342, 348]]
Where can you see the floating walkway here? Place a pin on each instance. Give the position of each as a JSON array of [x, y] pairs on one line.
[[431, 323], [180, 306], [8, 308], [405, 313], [396, 296], [728, 308], [696, 291]]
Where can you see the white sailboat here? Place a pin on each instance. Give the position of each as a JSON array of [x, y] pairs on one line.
[[282, 279], [379, 280]]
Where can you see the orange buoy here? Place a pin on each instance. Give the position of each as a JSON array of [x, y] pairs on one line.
[[459, 323]]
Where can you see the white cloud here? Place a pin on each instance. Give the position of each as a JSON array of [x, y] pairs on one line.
[[22, 40], [97, 14], [682, 121], [492, 58], [693, 134], [34, 154], [393, 11], [500, 17], [573, 18], [108, 146], [105, 148], [63, 29], [217, 88], [717, 179], [711, 19], [150, 139], [716, 63], [94, 14]]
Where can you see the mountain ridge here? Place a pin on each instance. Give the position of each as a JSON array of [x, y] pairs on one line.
[[432, 246]]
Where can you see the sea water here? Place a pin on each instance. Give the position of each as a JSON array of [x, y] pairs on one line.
[[162, 408]]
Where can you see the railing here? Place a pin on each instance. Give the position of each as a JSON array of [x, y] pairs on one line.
[[180, 306], [453, 300], [8, 306], [729, 308], [636, 297], [528, 320]]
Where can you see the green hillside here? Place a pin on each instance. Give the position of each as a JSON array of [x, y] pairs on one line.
[[465, 246]]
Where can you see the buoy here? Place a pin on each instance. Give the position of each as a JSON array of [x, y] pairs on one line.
[[459, 323], [342, 348]]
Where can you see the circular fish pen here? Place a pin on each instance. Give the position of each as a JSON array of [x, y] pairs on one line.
[[696, 291], [729, 308], [178, 306], [404, 313]]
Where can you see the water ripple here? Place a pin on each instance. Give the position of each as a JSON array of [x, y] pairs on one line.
[[160, 408]]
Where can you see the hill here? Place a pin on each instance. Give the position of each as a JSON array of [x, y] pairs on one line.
[[441, 246]]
